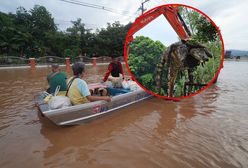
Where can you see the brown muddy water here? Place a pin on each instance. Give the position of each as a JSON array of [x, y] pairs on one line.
[[208, 130]]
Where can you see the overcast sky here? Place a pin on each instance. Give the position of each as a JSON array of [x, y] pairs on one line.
[[229, 15]]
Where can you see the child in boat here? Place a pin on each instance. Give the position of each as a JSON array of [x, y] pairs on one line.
[[78, 89], [56, 78]]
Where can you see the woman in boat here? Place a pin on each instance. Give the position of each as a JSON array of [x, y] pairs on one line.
[[78, 90]]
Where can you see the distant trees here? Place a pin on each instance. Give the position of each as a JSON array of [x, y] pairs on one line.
[[112, 39], [12, 38], [24, 33], [33, 34]]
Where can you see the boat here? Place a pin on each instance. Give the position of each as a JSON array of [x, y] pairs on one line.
[[83, 113]]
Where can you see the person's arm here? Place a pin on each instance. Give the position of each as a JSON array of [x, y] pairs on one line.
[[84, 90], [122, 72], [108, 73], [96, 98]]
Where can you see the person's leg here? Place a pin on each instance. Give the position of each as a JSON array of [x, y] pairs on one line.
[[91, 92], [103, 91], [48, 90]]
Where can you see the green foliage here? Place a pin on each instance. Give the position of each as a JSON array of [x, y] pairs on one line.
[[54, 43], [147, 79], [204, 74], [143, 57], [33, 33], [24, 32], [206, 31], [67, 53], [111, 40], [41, 21], [202, 29], [179, 85]]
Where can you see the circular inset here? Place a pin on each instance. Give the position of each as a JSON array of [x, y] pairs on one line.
[[184, 68]]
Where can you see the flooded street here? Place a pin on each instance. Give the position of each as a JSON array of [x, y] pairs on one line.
[[208, 130]]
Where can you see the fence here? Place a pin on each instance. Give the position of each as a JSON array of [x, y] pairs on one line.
[[13, 61], [48, 60]]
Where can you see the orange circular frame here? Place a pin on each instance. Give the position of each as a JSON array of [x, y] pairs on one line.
[[129, 34]]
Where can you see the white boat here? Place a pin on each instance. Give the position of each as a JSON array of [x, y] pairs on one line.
[[78, 114]]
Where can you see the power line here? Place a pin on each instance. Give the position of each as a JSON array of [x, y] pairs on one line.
[[100, 7], [86, 24], [96, 7]]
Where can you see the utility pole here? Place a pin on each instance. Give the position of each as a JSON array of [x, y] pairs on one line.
[[142, 6]]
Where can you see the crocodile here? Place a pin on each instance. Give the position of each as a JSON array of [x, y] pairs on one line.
[[180, 56]]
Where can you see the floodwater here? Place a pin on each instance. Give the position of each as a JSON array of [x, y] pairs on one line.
[[208, 130]]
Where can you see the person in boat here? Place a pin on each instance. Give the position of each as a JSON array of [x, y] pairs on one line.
[[56, 78], [78, 90], [116, 71]]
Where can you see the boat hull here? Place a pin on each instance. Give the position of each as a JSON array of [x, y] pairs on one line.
[[83, 113]]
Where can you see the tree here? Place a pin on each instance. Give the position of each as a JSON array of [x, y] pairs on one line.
[[41, 23], [23, 19], [112, 39], [23, 24], [55, 43], [143, 57], [203, 31], [78, 37], [206, 31], [34, 33], [7, 27], [13, 40]]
